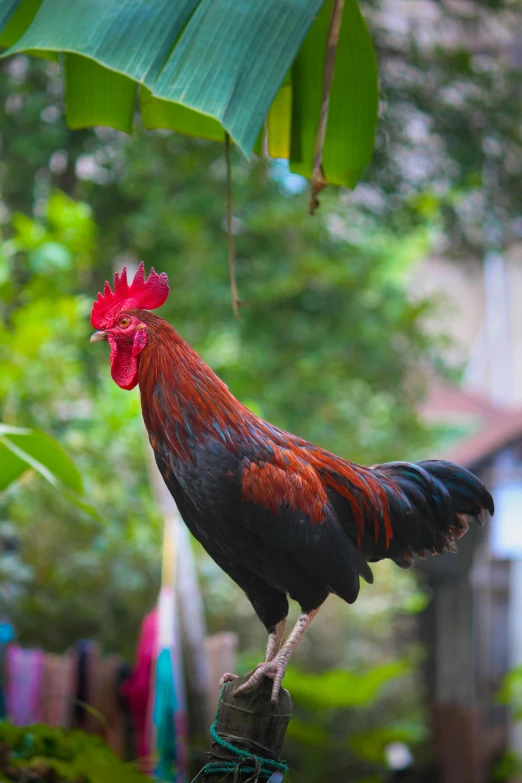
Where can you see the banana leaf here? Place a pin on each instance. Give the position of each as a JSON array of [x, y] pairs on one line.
[[213, 67], [23, 450]]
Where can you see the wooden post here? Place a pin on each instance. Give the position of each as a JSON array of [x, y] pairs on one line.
[[221, 651], [252, 723]]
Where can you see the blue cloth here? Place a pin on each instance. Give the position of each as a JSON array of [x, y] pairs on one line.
[[165, 705], [7, 635], [6, 632]]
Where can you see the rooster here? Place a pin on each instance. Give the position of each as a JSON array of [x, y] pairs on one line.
[[281, 516]]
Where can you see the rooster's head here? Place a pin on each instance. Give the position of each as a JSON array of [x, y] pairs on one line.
[[114, 319]]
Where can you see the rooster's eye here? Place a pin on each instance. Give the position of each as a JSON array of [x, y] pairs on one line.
[[125, 321]]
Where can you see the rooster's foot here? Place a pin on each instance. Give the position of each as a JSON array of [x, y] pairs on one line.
[[227, 677], [275, 669]]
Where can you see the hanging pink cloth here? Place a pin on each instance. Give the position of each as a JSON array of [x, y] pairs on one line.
[[136, 690], [24, 685], [58, 689]]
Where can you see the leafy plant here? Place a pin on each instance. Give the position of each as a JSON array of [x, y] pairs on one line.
[[49, 250], [340, 688], [510, 692], [330, 346], [46, 383], [266, 65], [345, 719], [25, 449], [34, 752]]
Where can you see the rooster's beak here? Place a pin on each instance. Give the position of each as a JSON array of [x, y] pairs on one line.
[[97, 336]]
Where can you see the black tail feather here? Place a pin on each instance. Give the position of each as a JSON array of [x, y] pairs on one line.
[[469, 495], [431, 505]]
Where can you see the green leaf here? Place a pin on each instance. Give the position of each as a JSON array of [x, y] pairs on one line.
[[211, 66], [11, 467], [7, 9], [15, 18], [342, 689], [279, 123], [23, 449], [354, 99], [232, 58], [131, 38], [18, 23], [97, 96], [164, 114], [39, 451], [354, 102]]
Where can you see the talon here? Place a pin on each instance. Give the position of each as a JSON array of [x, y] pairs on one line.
[[227, 677]]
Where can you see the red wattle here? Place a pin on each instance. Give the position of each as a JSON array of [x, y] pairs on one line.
[[124, 360]]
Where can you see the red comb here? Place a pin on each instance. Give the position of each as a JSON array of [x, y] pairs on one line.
[[146, 294]]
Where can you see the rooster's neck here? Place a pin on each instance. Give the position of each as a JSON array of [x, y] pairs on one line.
[[182, 399]]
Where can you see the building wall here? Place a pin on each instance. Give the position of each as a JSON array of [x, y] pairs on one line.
[[482, 315]]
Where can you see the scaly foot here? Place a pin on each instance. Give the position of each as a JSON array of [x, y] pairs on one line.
[[275, 637], [275, 669]]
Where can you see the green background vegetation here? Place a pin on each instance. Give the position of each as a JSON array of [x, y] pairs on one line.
[[332, 345]]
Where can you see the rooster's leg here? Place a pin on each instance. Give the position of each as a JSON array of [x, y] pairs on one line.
[[275, 637], [275, 668]]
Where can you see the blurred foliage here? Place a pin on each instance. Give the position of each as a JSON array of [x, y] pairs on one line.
[[510, 694], [47, 381], [508, 768], [331, 346], [344, 720], [329, 342], [338, 688], [41, 753], [450, 140]]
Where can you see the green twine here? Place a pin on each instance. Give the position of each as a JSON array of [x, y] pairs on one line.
[[263, 767]]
